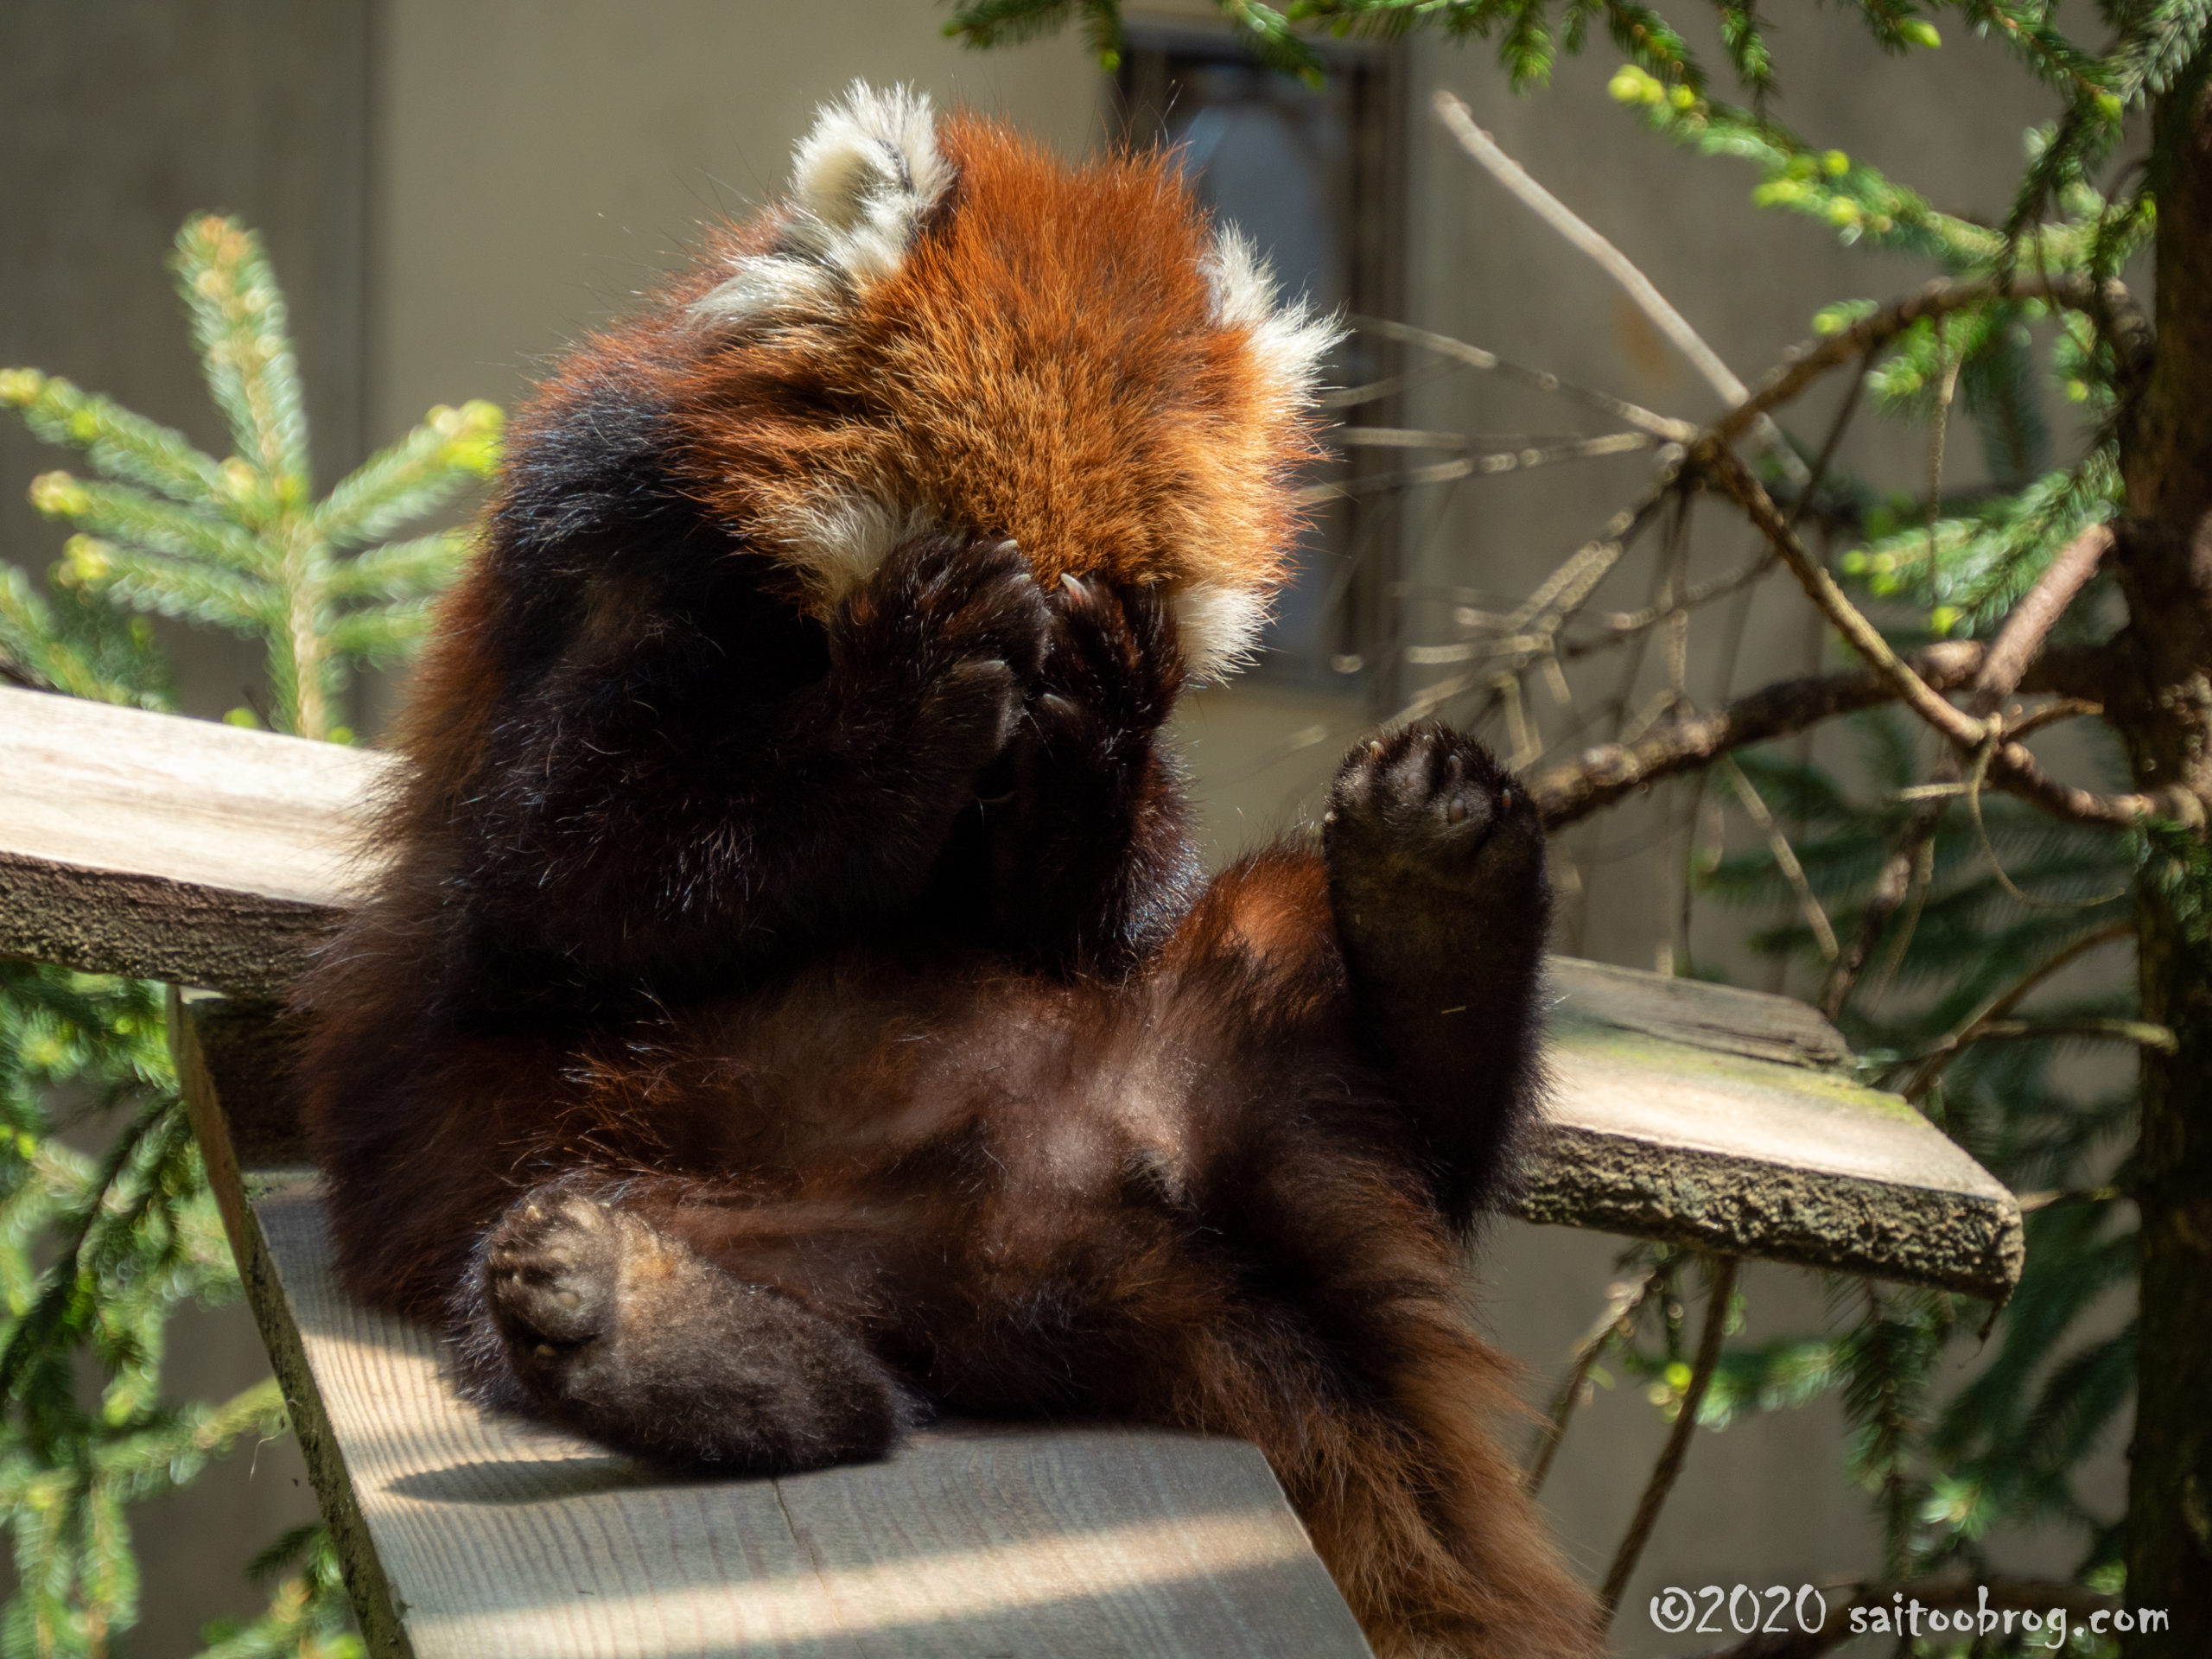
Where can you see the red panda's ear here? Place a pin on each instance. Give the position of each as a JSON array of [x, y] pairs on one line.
[[1286, 342], [862, 182], [1221, 614]]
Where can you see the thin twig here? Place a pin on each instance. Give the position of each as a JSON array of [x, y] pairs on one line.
[[1735, 480], [1670, 1466], [1625, 1300], [1785, 856], [1601, 775], [1802, 365], [1489, 464], [2031, 1202], [1996, 1008], [2029, 621], [1586, 240], [2018, 644], [2012, 768], [1660, 426], [1580, 235], [2144, 1033]]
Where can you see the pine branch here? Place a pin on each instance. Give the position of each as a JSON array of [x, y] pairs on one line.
[[180, 588], [118, 443], [386, 634], [239, 328], [118, 513], [402, 569], [424, 471]]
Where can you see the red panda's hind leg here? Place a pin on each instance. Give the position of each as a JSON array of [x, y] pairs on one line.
[[586, 1314], [1437, 887]]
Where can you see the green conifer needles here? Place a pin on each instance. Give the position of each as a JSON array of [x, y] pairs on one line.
[[240, 542], [98, 1253]]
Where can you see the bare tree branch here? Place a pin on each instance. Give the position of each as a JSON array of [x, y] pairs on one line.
[[1785, 858], [1805, 364], [1585, 238], [1720, 463], [2012, 768], [1994, 1012], [2018, 644], [1623, 1300], [1578, 231], [1599, 776], [2031, 619], [1660, 426], [1670, 1466]]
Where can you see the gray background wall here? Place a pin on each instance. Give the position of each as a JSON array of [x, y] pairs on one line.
[[452, 188]]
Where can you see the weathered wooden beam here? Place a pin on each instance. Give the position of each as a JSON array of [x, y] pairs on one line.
[[1729, 1120], [176, 849]]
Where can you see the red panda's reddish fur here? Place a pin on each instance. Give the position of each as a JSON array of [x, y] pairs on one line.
[[788, 1009]]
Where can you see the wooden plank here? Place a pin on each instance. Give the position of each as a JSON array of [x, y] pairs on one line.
[[203, 855], [484, 1535], [1660, 1138], [140, 844]]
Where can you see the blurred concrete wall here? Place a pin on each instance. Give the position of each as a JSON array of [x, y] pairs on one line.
[[453, 188]]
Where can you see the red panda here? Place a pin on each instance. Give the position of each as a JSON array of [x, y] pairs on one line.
[[792, 1005]]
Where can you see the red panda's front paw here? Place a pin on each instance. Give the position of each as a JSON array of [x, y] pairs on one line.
[[950, 633], [1112, 664]]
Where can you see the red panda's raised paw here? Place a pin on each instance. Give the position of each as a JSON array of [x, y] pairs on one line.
[[1430, 804]]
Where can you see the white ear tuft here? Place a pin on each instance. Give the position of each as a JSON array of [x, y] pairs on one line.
[[1289, 342], [863, 180], [1218, 628]]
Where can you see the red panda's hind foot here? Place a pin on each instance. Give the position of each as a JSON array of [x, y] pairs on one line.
[[1437, 889], [1430, 807], [609, 1327]]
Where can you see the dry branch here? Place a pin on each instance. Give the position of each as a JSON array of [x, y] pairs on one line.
[[1623, 1302], [1585, 238], [1599, 776], [2012, 768], [1670, 1466], [2030, 622], [1474, 357], [1578, 233]]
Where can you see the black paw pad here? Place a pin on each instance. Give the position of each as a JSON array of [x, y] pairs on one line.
[[1426, 787]]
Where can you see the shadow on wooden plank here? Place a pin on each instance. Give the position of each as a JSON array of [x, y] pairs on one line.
[[495, 1535]]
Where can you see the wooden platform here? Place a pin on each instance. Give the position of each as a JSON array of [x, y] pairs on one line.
[[466, 1536], [205, 855]]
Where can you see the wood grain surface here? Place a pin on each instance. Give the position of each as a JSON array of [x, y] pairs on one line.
[[489, 1537], [168, 849]]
